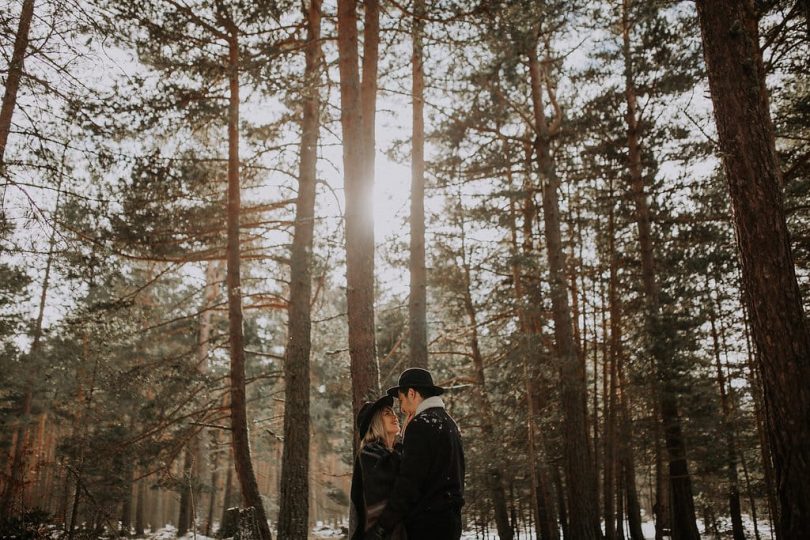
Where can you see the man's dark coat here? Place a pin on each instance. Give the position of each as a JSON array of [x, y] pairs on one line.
[[430, 482]]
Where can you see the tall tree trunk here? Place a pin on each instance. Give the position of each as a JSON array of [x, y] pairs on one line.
[[192, 459], [417, 301], [185, 518], [228, 496], [358, 186], [612, 464], [293, 518], [628, 459], [727, 424], [758, 399], [542, 503], [16, 481], [126, 504], [583, 516], [684, 526], [494, 472], [15, 71], [239, 428], [140, 510], [737, 84], [619, 398], [212, 501]]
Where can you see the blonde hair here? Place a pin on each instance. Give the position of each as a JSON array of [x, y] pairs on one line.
[[376, 429]]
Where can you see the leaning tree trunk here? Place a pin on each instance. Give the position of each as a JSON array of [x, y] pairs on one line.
[[583, 517], [359, 221], [239, 428], [293, 517], [684, 526], [746, 137], [15, 71], [417, 301]]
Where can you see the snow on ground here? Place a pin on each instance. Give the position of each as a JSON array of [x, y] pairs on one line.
[[169, 532], [323, 530]]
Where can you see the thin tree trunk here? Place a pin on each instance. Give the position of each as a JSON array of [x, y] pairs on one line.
[[193, 453], [15, 71], [140, 510], [758, 399], [541, 502], [293, 518], [584, 520], [561, 504], [359, 222], [684, 526], [16, 481], [126, 504], [239, 428], [611, 383], [737, 83], [212, 501], [738, 532], [184, 519], [228, 496], [417, 301], [618, 524], [494, 470], [619, 391]]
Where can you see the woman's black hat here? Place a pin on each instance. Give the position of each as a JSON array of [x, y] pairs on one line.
[[415, 378], [368, 410]]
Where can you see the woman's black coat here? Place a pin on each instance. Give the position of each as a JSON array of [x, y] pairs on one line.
[[375, 470]]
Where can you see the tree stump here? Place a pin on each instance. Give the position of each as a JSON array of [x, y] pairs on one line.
[[248, 528]]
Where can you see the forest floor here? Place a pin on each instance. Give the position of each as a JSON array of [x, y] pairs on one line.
[[648, 528]]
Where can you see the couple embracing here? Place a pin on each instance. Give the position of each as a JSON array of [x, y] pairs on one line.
[[408, 483]]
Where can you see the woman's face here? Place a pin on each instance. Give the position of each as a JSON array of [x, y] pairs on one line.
[[390, 421]]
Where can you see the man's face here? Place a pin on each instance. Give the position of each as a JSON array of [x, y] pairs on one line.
[[406, 402]]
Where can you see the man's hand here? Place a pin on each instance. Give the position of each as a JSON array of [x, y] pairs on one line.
[[377, 533]]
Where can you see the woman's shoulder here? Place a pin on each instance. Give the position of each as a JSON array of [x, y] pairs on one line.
[[374, 448], [376, 452]]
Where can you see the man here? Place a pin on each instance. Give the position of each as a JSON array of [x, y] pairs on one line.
[[428, 492]]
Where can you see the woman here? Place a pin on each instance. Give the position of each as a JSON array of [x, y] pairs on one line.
[[376, 465]]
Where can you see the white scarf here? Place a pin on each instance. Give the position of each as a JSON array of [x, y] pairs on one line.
[[433, 401]]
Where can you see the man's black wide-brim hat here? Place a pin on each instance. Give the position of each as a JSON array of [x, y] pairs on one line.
[[368, 410], [415, 378]]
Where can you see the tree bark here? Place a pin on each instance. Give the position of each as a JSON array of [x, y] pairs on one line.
[[684, 526], [239, 428], [583, 517], [745, 132], [359, 220], [417, 301], [15, 71], [293, 517]]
